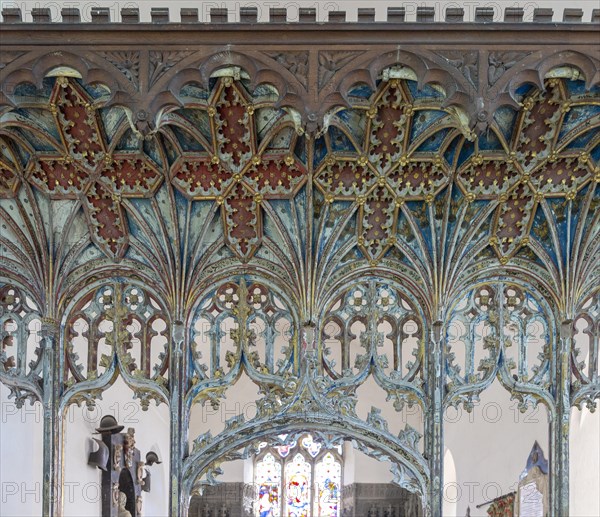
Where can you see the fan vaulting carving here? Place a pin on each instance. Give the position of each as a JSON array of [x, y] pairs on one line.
[[397, 145], [237, 169], [84, 166], [230, 162], [401, 146], [224, 242], [388, 165], [542, 155]]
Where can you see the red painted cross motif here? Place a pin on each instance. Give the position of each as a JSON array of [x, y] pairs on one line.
[[534, 165], [237, 171], [86, 169], [385, 170]]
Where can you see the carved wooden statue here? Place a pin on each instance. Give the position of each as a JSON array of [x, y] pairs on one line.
[[124, 476], [123, 512]]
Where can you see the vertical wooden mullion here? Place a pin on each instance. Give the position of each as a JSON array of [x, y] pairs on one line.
[[434, 428], [400, 337], [560, 425], [144, 350], [51, 500], [179, 420], [92, 364]]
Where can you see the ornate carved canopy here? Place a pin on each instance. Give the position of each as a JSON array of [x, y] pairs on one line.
[[412, 179]]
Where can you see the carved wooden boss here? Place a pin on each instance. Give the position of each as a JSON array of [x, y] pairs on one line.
[[303, 181]]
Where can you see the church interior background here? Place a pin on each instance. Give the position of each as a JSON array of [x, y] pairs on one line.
[[299, 269]]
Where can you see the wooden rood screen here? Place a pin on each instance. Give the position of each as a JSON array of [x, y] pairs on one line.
[[311, 205]]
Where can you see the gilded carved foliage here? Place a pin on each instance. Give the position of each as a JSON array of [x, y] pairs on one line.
[[510, 183], [235, 157], [389, 159]]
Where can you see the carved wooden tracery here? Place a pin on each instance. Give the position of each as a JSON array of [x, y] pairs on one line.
[[250, 158], [540, 154], [310, 218], [117, 329], [391, 163]]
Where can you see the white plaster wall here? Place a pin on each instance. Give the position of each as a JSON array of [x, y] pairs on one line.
[[450, 503], [21, 457], [240, 399], [369, 470], [489, 448], [584, 444], [233, 471], [349, 463], [82, 482]]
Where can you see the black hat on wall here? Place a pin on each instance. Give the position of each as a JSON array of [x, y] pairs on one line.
[[109, 424]]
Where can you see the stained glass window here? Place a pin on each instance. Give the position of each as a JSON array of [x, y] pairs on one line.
[[311, 446], [328, 478], [268, 479], [299, 479], [297, 485], [284, 450]]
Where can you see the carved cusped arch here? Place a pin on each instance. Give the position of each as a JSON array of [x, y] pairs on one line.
[[259, 68], [392, 198], [375, 327], [585, 354], [409, 467], [504, 330], [533, 70], [368, 68], [91, 68], [243, 324], [116, 328], [21, 346]]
